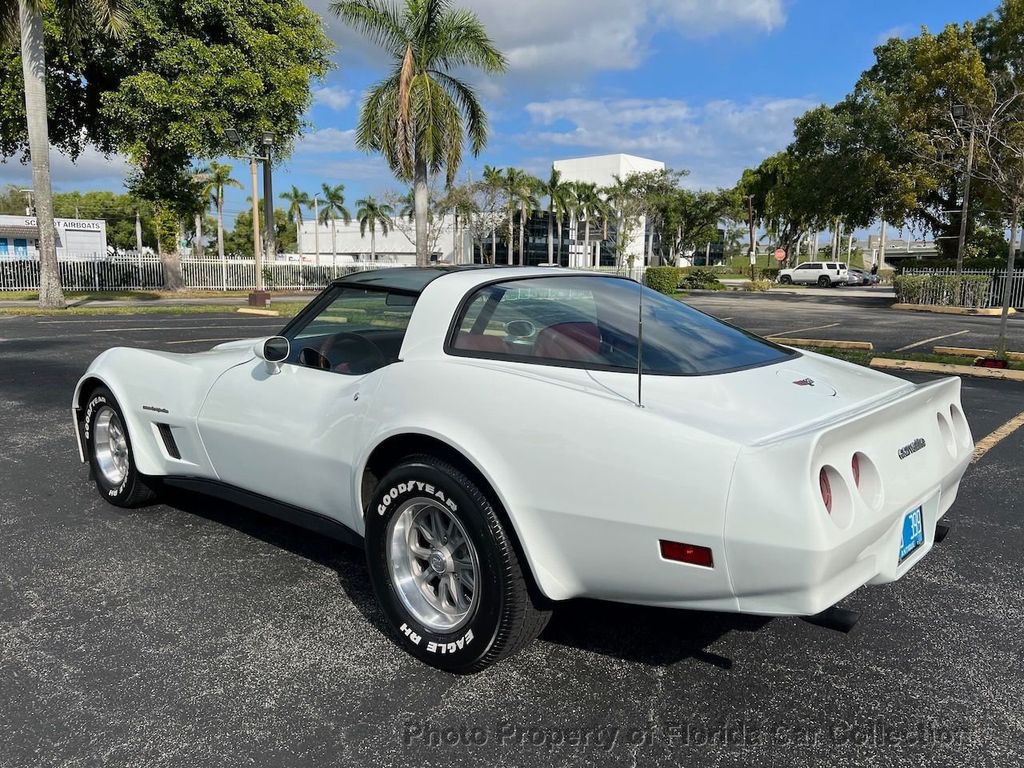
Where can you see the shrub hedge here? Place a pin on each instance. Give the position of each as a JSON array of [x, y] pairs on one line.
[[943, 290], [663, 279], [701, 278], [758, 285]]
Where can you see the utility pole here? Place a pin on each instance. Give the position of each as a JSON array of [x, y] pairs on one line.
[[316, 225], [750, 224], [138, 232], [959, 112], [257, 245]]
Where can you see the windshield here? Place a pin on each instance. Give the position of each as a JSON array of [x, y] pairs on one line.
[[591, 322]]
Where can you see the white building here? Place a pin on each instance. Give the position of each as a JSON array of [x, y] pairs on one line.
[[602, 170], [347, 245], [19, 235]]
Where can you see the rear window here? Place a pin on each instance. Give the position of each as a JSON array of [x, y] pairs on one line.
[[591, 322]]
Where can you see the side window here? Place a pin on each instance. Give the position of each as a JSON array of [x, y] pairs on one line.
[[531, 318], [592, 322], [833, 266], [806, 267], [356, 332]]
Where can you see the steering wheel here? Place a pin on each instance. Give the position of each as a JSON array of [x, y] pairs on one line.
[[370, 357]]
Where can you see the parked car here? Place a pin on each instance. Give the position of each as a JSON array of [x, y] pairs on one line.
[[502, 439], [861, 277], [824, 273]]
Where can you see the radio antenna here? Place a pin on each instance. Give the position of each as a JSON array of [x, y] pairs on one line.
[[640, 350]]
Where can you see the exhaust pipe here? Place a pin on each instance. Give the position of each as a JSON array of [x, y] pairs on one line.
[[941, 532], [835, 618]]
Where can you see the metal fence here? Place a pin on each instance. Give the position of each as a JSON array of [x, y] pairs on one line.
[[133, 271], [130, 271], [997, 287]]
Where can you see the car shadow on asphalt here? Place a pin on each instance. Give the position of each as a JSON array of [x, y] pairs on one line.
[[655, 636]]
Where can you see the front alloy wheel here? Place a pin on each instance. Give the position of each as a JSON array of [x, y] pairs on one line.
[[110, 452]]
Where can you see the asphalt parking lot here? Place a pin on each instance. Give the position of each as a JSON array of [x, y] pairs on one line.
[[195, 633], [828, 314]]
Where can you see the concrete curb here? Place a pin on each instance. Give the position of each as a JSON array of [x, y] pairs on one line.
[[940, 310], [261, 312], [823, 343], [958, 370], [969, 352]]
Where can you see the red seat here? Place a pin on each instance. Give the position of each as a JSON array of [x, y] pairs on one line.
[[576, 341], [480, 342]]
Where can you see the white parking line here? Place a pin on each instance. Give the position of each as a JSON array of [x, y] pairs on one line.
[[929, 341], [990, 442], [201, 341], [164, 328], [801, 330]]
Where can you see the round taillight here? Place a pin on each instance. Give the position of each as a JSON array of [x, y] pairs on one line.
[[855, 465], [826, 489]]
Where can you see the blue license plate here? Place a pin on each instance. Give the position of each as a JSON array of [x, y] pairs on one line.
[[913, 533]]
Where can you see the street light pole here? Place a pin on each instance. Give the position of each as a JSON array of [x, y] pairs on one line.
[[270, 247], [959, 112]]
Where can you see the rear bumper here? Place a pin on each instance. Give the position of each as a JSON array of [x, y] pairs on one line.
[[803, 581]]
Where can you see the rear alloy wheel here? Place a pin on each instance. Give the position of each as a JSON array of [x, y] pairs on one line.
[[110, 453], [444, 569], [786, 280], [824, 282]]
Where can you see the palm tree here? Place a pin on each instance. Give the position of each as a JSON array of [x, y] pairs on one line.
[[370, 213], [296, 200], [463, 207], [528, 203], [216, 179], [25, 18], [493, 179], [591, 207], [334, 208], [556, 191], [420, 116], [519, 196]]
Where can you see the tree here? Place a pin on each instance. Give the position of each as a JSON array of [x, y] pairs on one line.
[[215, 179], [590, 207], [26, 16], [420, 116], [297, 201], [238, 243], [491, 187], [370, 213], [461, 202], [557, 192], [163, 93], [334, 208], [998, 128], [520, 196]]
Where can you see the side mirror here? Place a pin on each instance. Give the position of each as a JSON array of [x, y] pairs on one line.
[[273, 351]]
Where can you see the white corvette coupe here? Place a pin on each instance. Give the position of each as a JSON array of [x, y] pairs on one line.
[[502, 439]]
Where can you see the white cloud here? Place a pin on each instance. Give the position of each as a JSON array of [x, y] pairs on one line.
[[715, 141], [555, 37], [91, 170], [903, 30], [333, 97], [327, 140]]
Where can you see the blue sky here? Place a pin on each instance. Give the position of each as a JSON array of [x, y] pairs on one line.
[[711, 86]]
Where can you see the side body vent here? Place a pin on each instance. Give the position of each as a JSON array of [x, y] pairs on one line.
[[168, 437]]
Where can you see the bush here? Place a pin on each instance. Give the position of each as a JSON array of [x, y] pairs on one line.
[[771, 274], [663, 279], [943, 290], [758, 285], [702, 278]]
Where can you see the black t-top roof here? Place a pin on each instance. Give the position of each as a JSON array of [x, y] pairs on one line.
[[407, 279]]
